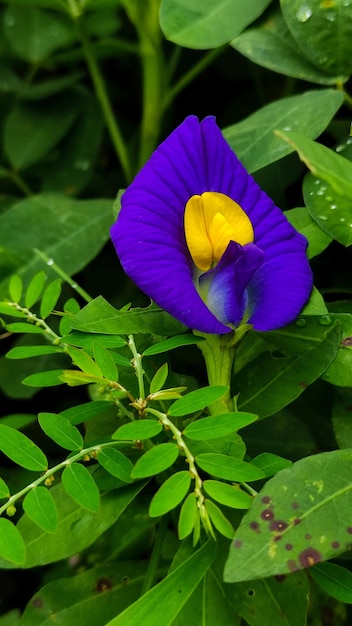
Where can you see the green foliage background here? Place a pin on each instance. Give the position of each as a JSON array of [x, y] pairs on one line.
[[127, 494]]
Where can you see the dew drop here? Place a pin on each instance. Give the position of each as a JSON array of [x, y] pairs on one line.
[[317, 181], [349, 141], [330, 16], [301, 322], [81, 164], [350, 225], [304, 13], [333, 206], [50, 262], [74, 285], [325, 320], [287, 128], [323, 218], [328, 198], [342, 219], [340, 147], [346, 3]]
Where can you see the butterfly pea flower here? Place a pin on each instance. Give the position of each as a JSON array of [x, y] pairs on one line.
[[200, 237]]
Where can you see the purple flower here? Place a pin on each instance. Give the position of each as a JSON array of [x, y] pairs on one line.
[[199, 236]]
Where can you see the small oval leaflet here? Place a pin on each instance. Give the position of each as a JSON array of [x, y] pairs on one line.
[[21, 450], [229, 495], [34, 289], [219, 520], [155, 460], [197, 400], [59, 429], [170, 494], [15, 288], [218, 425], [12, 546], [228, 467], [138, 430], [116, 463], [39, 505], [50, 298], [80, 485], [187, 518]]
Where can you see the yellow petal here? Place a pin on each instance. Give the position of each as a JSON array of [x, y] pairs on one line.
[[211, 221]]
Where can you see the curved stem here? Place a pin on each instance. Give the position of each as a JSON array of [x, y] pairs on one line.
[[137, 364], [102, 95], [63, 275]]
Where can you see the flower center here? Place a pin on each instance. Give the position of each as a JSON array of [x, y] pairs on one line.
[[211, 221]]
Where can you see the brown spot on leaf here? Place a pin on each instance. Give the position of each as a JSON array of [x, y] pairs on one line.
[[296, 521], [288, 546], [307, 536], [278, 524], [103, 584], [38, 603], [266, 500], [292, 565], [280, 578], [303, 385], [349, 530], [310, 557], [237, 543], [294, 505], [255, 526], [346, 342], [335, 545], [267, 514]]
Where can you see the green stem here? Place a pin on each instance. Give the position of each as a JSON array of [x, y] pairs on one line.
[[63, 275], [150, 576], [38, 321], [102, 95], [137, 364], [346, 95], [189, 76]]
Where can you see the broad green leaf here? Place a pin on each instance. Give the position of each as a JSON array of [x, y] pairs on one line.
[[52, 378], [218, 425], [339, 372], [77, 527], [219, 520], [307, 113], [94, 595], [281, 600], [84, 362], [298, 506], [12, 546], [116, 463], [80, 485], [315, 305], [188, 515], [171, 343], [34, 34], [330, 210], [19, 420], [74, 378], [83, 412], [159, 378], [229, 495], [23, 327], [105, 362], [270, 463], [324, 163], [11, 618], [271, 45], [323, 32], [318, 240], [41, 509], [35, 289], [163, 602], [21, 450], [4, 490], [138, 430], [7, 309], [203, 25], [228, 468], [32, 130], [268, 384], [100, 317], [335, 580], [86, 340], [15, 288], [50, 297], [341, 417], [196, 400], [170, 494], [70, 232], [24, 352], [232, 445], [60, 430], [155, 460]]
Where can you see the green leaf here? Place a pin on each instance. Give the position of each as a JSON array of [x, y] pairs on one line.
[[196, 400], [21, 450], [218, 425], [8, 309], [170, 494], [59, 429], [339, 372], [84, 362], [308, 113], [70, 232], [116, 463], [155, 460], [229, 495], [86, 340], [270, 463], [163, 602], [34, 34], [50, 297], [271, 45], [203, 25], [15, 288], [298, 506], [22, 327], [138, 430], [105, 362], [341, 417], [323, 32], [12, 546], [219, 520], [268, 383], [329, 210], [318, 240], [34, 289], [228, 468], [100, 317], [159, 378], [80, 485], [83, 412], [4, 490], [232, 445], [25, 352], [52, 378], [335, 580], [40, 507], [188, 515], [171, 343]]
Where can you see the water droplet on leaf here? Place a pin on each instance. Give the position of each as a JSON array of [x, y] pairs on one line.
[[301, 322], [304, 13], [325, 320]]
